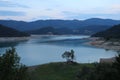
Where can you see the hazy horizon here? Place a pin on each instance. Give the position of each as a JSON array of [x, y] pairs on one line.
[[25, 10], [59, 19]]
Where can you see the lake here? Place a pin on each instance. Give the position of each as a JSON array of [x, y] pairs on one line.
[[44, 49]]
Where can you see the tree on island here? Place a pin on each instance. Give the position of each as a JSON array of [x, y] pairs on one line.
[[69, 56], [10, 66]]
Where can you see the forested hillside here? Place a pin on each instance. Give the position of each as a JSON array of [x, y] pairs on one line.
[[113, 32], [9, 32]]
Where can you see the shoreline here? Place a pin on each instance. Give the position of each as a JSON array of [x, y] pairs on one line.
[[12, 39], [101, 43]]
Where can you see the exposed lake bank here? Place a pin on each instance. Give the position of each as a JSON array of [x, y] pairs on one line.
[[13, 39], [101, 43]]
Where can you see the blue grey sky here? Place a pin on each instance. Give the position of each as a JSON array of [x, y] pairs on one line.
[[30, 10]]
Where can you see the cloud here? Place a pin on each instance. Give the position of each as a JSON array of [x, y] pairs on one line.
[[73, 15], [11, 13], [41, 17], [48, 9], [115, 8], [6, 3]]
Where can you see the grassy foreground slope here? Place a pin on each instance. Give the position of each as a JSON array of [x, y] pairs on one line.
[[57, 71]]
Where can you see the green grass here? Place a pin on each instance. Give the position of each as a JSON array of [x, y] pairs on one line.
[[57, 71]]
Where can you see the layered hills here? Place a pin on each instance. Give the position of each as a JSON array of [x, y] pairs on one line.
[[89, 26]]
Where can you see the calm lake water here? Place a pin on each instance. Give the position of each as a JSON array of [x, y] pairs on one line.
[[45, 49]]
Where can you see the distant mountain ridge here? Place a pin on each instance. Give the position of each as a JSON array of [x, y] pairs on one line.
[[21, 25], [44, 31], [89, 26], [88, 30], [9, 32]]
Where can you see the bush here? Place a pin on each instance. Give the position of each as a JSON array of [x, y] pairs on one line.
[[10, 66]]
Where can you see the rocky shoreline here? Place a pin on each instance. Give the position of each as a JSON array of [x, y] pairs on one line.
[[13, 39], [101, 43], [107, 45]]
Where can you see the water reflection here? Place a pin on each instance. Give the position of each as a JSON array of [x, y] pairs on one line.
[[10, 44], [66, 42], [45, 49]]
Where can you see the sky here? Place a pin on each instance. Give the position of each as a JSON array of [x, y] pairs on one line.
[[31, 10]]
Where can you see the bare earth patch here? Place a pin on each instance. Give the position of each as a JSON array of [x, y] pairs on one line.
[[101, 43]]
